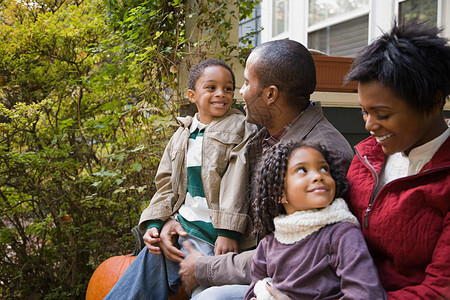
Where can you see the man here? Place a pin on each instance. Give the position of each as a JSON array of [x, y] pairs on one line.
[[279, 79]]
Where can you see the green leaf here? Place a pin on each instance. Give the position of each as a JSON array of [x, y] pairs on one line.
[[137, 167]]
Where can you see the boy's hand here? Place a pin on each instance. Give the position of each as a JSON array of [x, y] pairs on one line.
[[151, 240], [224, 245]]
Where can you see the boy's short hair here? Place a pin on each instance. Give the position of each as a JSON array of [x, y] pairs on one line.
[[289, 66], [411, 60], [197, 71]]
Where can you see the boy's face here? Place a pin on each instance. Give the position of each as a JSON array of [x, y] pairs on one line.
[[308, 182], [396, 126], [213, 93]]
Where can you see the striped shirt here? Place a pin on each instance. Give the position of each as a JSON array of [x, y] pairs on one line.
[[194, 213]]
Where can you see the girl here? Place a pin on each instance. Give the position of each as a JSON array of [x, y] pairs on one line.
[[313, 247]]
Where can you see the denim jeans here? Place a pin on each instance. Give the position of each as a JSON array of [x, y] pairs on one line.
[[224, 292], [152, 277]]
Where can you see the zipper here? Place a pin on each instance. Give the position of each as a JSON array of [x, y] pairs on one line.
[[205, 186], [366, 162]]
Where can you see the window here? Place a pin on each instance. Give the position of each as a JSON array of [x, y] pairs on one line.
[[322, 10], [418, 10], [250, 28], [338, 27], [343, 39], [280, 17]]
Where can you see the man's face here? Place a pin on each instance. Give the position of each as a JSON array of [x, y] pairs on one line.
[[255, 103]]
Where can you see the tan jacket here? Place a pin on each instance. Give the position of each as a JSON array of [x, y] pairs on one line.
[[224, 173]]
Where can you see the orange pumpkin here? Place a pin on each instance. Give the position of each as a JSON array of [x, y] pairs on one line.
[[180, 296], [107, 274]]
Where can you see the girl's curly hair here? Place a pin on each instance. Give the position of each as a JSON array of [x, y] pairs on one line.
[[270, 183]]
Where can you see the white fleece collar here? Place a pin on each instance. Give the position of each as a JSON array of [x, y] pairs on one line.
[[292, 228]]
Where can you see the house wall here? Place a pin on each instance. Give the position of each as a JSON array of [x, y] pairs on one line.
[[382, 14], [342, 109]]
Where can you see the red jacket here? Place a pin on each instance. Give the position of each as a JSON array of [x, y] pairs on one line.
[[407, 225]]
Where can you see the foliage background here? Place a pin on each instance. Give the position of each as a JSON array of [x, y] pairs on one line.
[[89, 92]]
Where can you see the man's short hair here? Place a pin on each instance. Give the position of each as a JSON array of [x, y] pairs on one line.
[[288, 65]]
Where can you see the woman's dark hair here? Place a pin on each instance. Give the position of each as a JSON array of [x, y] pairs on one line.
[[197, 71], [270, 183], [411, 60]]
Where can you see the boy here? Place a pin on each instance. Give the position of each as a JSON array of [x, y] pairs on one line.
[[201, 182]]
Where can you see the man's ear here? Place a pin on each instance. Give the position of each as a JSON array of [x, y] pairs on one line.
[[272, 94], [191, 95]]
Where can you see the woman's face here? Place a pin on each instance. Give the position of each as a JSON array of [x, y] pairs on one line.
[[396, 126]]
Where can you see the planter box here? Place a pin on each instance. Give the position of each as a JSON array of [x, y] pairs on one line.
[[330, 73]]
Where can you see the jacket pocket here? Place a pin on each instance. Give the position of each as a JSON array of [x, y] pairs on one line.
[[218, 148]]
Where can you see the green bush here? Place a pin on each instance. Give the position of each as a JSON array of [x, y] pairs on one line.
[[88, 100]]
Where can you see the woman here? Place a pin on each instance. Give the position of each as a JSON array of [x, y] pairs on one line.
[[400, 176]]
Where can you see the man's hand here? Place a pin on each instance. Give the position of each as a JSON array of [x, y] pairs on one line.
[[224, 245], [151, 240], [168, 238], [276, 292], [187, 268]]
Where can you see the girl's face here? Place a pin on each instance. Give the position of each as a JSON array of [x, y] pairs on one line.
[[308, 182], [396, 126], [213, 93]]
